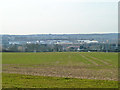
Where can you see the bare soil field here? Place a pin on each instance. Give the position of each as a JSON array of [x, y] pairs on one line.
[[63, 71]]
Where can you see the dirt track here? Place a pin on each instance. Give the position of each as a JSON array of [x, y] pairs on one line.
[[103, 61]]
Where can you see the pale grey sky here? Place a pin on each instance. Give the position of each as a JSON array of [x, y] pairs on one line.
[[58, 16]]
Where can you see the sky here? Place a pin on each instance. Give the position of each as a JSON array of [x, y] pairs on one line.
[[22, 17]]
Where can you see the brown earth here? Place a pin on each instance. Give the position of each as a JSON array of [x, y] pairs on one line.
[[83, 72]]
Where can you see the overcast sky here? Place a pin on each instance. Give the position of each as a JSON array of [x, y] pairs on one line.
[[58, 16]]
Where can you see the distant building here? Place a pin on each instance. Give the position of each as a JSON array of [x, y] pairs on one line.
[[64, 42], [21, 48], [73, 48], [17, 42], [86, 41], [14, 42]]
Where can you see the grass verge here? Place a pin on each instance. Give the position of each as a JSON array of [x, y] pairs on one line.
[[29, 81]]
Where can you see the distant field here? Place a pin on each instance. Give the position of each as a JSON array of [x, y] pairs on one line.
[[79, 65]]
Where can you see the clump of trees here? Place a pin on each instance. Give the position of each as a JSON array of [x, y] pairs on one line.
[[60, 48], [33, 48]]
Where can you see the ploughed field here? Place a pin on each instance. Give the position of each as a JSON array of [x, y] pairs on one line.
[[60, 69]]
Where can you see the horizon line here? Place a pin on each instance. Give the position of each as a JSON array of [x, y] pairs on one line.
[[62, 33]]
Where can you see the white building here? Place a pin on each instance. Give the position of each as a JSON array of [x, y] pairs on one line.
[[86, 41]]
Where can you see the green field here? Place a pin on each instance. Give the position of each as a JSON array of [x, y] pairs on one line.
[[20, 81], [60, 69]]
